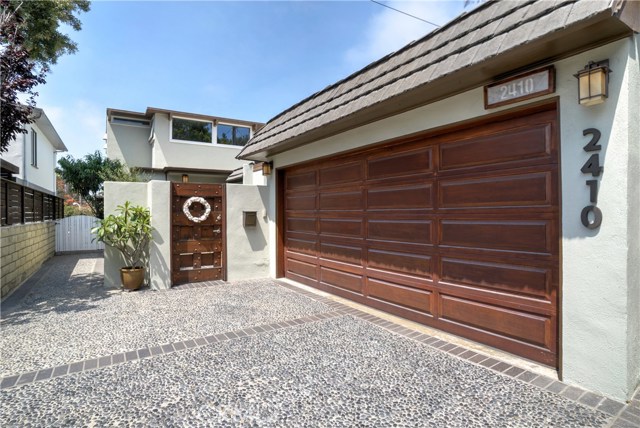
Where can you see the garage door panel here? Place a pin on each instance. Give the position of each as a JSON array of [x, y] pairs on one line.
[[341, 174], [296, 202], [502, 191], [342, 253], [526, 143], [342, 226], [341, 201], [416, 231], [523, 236], [415, 196], [341, 279], [396, 164], [302, 246], [529, 304], [410, 263], [521, 326], [300, 180], [515, 279], [396, 294], [301, 268], [301, 224]]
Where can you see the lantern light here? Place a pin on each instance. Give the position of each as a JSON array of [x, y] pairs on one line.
[[593, 83], [266, 168]]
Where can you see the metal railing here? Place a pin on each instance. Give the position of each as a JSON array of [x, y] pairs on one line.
[[22, 204]]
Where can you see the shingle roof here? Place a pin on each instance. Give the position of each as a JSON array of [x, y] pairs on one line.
[[235, 176], [473, 38]]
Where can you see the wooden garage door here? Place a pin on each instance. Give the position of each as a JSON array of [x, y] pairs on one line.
[[458, 231]]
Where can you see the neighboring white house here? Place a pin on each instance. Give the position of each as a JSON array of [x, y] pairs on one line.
[[177, 146], [34, 153]]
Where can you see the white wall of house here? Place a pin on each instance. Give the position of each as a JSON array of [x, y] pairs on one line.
[[20, 153], [247, 247], [600, 285], [129, 143]]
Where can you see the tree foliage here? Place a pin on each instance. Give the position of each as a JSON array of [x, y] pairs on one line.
[[19, 76], [86, 177], [30, 42], [41, 23]]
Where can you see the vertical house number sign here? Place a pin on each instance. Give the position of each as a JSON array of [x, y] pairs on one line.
[[591, 215]]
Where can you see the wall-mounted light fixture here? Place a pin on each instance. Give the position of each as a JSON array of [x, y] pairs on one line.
[[185, 178], [266, 168], [593, 83]]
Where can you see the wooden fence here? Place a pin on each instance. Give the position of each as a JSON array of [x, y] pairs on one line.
[[73, 234], [22, 204]]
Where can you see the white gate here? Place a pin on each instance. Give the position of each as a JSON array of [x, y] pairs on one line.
[[74, 234]]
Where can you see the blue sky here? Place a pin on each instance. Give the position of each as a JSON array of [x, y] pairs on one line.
[[246, 60]]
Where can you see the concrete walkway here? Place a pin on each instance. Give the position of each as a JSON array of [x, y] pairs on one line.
[[253, 353]]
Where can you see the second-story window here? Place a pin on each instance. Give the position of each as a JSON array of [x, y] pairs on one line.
[[233, 135], [191, 130]]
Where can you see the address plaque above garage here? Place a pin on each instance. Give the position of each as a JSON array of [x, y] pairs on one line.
[[524, 86]]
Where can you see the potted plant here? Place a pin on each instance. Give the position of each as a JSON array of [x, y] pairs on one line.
[[129, 232]]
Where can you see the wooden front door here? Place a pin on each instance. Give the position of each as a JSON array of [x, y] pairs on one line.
[[198, 235], [459, 231]]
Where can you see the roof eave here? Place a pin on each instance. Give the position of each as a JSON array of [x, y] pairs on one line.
[[597, 30], [47, 128]]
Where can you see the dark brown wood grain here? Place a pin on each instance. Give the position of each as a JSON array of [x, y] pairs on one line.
[[198, 249], [456, 230]]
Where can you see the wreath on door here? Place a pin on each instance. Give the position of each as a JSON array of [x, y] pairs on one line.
[[186, 209]]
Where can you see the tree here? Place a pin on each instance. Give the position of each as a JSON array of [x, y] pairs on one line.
[[86, 177], [29, 43], [41, 20], [19, 76]]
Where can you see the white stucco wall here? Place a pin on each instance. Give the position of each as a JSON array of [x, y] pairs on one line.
[[600, 286], [129, 144], [159, 202], [19, 154], [156, 195], [117, 193], [247, 247]]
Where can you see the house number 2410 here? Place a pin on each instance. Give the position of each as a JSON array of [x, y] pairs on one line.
[[591, 215]]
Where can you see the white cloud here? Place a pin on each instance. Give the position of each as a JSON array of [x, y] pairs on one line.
[[390, 30], [80, 124]]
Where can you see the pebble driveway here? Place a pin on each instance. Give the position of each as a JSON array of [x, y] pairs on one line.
[[253, 353]]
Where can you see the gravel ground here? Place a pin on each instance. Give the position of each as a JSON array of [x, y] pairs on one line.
[[340, 371], [70, 316], [332, 373]]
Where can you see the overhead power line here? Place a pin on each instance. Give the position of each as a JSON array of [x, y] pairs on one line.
[[404, 13]]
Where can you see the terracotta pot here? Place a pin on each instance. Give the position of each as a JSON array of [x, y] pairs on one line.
[[132, 278]]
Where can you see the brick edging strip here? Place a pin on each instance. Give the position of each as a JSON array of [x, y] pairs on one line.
[[623, 413], [20, 379]]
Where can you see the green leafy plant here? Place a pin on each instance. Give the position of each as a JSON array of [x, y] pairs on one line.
[[129, 232]]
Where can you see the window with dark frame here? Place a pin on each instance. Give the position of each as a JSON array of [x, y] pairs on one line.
[[191, 130], [233, 135], [34, 148]]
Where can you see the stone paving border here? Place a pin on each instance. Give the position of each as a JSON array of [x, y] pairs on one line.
[[139, 354], [624, 414]]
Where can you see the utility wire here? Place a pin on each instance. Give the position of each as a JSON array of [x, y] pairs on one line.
[[405, 13]]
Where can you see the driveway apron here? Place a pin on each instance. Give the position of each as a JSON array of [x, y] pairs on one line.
[[253, 353]]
